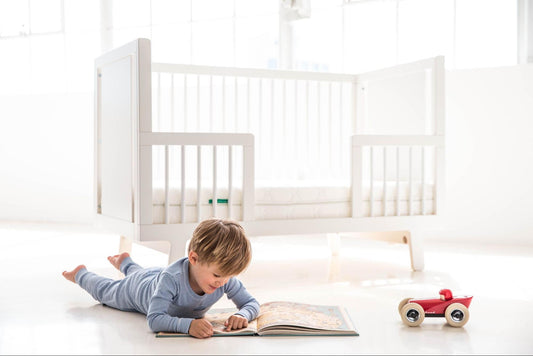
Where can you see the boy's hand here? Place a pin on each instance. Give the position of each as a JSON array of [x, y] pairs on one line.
[[201, 328], [235, 322]]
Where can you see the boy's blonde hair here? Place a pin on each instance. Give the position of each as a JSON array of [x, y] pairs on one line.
[[223, 242]]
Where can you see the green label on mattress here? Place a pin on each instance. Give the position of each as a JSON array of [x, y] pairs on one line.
[[219, 201]]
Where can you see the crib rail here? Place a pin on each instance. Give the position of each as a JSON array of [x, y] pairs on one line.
[[300, 119], [198, 140], [380, 158]]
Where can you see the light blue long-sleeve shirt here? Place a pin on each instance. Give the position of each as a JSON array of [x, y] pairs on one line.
[[164, 294]]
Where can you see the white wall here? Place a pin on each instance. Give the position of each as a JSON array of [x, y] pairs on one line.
[[46, 156], [489, 155]]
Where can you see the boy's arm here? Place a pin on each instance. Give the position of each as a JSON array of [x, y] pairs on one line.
[[158, 318], [247, 305]]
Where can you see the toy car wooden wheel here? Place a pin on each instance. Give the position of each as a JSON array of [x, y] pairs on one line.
[[402, 303], [457, 315], [412, 314]]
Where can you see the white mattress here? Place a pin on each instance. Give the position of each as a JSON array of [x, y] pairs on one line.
[[289, 200]]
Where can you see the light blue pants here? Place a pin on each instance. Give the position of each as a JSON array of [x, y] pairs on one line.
[[131, 293]]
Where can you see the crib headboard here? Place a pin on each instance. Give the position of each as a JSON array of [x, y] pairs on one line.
[[119, 118]]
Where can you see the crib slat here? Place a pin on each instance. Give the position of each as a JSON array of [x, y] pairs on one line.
[[438, 186], [185, 116], [307, 125], [214, 199], [318, 122], [297, 133], [357, 180], [211, 103], [236, 105], [410, 200], [182, 219], [330, 128], [397, 180], [341, 131], [423, 182], [429, 95], [371, 181], [230, 181], [224, 123], [259, 114], [158, 128], [248, 116], [197, 103], [172, 119], [198, 183], [273, 146], [167, 166], [384, 180], [284, 136]]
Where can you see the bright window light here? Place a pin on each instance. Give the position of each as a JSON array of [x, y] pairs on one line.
[[171, 43], [170, 12], [131, 13], [370, 36], [48, 64], [256, 41], [211, 9], [315, 48], [14, 69], [256, 7], [82, 15], [45, 16], [14, 18], [212, 42], [425, 29]]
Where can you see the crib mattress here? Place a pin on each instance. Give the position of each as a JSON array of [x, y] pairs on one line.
[[290, 200]]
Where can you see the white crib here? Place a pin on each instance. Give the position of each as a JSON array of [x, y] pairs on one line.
[[283, 152]]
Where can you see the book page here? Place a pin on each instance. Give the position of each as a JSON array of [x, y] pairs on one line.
[[331, 318], [217, 317]]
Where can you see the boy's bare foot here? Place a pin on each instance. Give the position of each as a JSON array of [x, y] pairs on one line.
[[71, 276], [116, 260]]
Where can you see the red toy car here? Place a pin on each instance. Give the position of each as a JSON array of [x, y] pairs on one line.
[[454, 309]]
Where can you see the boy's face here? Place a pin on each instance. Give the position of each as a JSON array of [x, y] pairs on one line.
[[204, 278]]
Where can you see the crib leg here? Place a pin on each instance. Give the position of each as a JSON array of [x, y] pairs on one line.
[[416, 250], [334, 265], [125, 245], [334, 243]]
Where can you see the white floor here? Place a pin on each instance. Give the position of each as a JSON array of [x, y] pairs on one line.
[[42, 313]]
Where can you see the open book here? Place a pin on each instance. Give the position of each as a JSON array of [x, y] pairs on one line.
[[284, 318]]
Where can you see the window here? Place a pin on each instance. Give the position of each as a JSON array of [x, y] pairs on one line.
[[23, 18], [51, 44], [378, 33]]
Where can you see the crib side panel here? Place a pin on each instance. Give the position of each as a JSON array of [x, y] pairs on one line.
[[122, 107]]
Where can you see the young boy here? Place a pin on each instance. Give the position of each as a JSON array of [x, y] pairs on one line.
[[176, 298]]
